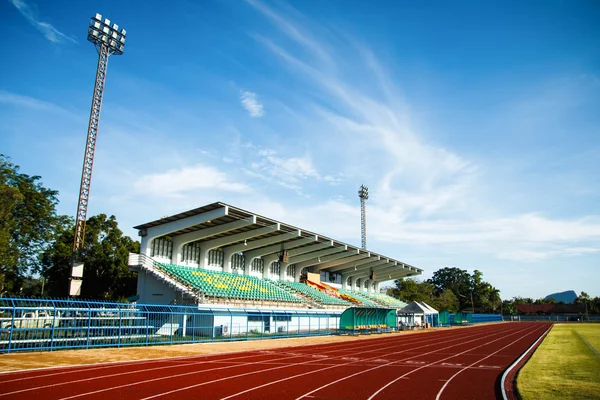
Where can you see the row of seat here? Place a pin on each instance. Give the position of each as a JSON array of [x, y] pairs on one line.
[[228, 285], [313, 293], [244, 287], [387, 300], [360, 296]]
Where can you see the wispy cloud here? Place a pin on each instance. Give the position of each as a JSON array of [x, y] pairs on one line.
[[288, 172], [373, 119], [18, 100], [250, 102], [176, 182], [424, 194], [49, 31]]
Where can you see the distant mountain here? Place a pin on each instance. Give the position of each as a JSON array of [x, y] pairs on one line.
[[566, 297]]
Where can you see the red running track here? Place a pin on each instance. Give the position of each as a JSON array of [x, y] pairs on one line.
[[443, 364]]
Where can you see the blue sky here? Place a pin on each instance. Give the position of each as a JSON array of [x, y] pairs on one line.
[[476, 125]]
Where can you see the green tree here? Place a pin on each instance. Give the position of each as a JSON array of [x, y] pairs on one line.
[[413, 290], [496, 300], [446, 301], [27, 221], [105, 257], [584, 299], [456, 280], [508, 307]]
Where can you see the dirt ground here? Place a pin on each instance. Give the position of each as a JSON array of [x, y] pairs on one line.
[[31, 360]]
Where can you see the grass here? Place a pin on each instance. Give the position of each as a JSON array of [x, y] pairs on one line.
[[564, 366]]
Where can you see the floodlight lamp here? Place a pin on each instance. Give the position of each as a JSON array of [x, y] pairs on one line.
[[115, 27], [98, 17], [123, 32], [107, 21]]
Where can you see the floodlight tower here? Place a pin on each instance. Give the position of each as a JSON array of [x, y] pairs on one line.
[[363, 194], [108, 40]]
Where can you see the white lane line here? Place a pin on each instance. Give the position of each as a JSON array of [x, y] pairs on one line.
[[257, 387], [122, 364], [589, 345], [112, 375], [513, 365], [425, 366], [343, 346], [77, 367], [476, 362], [178, 375], [337, 366]]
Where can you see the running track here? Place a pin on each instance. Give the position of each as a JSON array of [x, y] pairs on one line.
[[443, 364]]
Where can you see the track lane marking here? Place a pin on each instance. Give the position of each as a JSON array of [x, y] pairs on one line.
[[118, 374], [343, 346], [439, 394], [73, 368], [435, 362], [513, 365], [334, 366], [403, 376], [195, 372], [292, 365]]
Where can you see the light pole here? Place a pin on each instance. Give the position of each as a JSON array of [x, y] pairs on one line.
[[363, 194], [108, 40]]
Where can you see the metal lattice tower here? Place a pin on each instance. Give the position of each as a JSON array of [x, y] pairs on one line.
[[363, 194], [108, 40]]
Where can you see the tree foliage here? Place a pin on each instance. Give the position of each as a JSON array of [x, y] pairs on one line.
[[27, 224], [104, 254], [451, 289]]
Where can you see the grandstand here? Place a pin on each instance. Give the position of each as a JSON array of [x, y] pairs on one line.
[[221, 255]]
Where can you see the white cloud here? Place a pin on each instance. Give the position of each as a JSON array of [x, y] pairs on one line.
[[176, 182], [49, 31], [287, 172], [32, 103], [251, 104]]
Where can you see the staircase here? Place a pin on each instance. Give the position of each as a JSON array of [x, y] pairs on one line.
[[143, 262]]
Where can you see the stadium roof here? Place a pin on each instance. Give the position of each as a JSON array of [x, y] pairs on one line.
[[219, 225]]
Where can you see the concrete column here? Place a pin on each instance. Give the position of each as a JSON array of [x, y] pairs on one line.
[[267, 261], [283, 270], [146, 245], [227, 255], [344, 282], [298, 274]]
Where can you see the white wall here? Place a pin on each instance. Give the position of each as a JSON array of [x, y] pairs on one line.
[[151, 290]]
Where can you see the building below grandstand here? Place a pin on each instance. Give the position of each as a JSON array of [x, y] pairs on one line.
[[221, 255]]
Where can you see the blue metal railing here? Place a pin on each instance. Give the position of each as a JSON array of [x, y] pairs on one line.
[[480, 318], [30, 324]]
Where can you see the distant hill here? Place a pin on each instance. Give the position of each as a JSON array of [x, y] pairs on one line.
[[566, 297]]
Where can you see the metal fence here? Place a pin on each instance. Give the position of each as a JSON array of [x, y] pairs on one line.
[[53, 324], [477, 319], [555, 318]]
